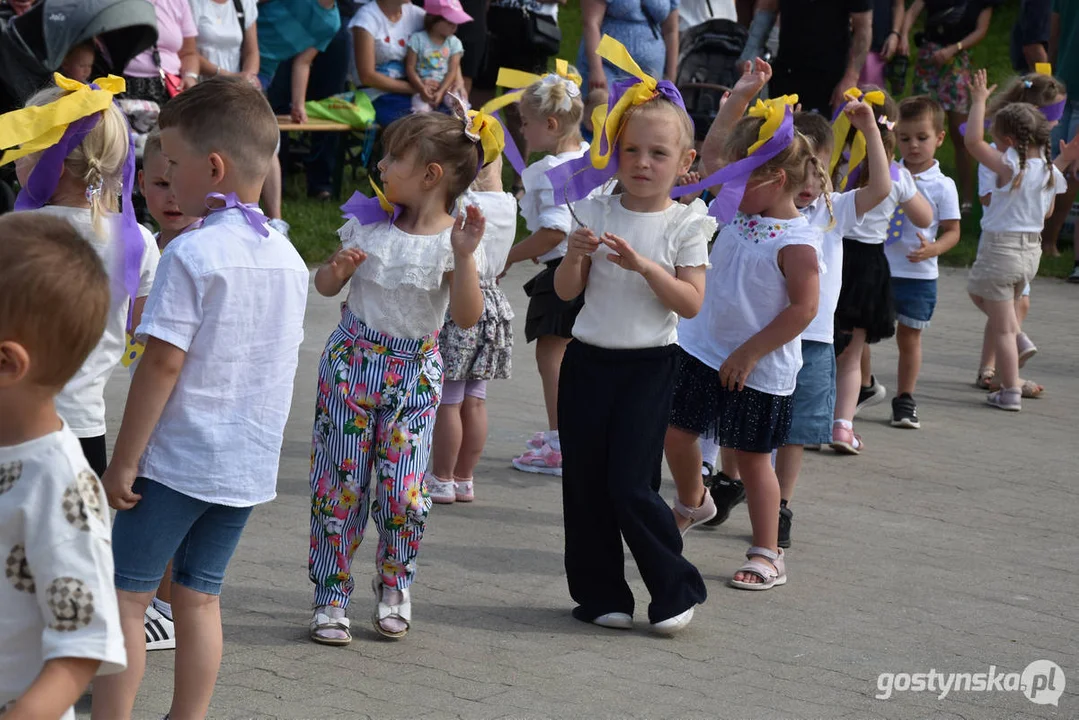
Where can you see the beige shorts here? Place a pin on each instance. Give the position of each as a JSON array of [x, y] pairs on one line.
[[1006, 262]]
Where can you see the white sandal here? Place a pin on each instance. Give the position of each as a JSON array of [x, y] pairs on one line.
[[771, 576], [402, 611], [698, 515], [321, 621]]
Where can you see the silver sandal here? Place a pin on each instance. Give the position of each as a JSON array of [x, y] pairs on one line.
[[771, 577]]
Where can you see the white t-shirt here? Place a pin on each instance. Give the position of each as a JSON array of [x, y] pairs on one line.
[[1023, 209], [82, 401], [831, 275], [620, 309], [694, 12], [400, 290], [500, 211], [939, 190], [538, 207], [234, 302], [391, 38], [986, 178], [745, 291], [220, 37], [874, 226], [58, 599]]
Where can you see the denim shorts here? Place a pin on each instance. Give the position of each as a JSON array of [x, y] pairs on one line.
[[198, 536], [914, 301], [814, 396]]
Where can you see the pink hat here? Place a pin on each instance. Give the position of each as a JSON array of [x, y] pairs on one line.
[[448, 9]]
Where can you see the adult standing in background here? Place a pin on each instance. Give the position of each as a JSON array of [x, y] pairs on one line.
[[170, 66], [1064, 54], [822, 48], [473, 37], [648, 29], [887, 26], [1030, 35], [942, 68], [380, 33], [227, 44]]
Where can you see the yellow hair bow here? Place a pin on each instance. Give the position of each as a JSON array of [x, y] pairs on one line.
[[773, 111], [841, 128], [1043, 68], [488, 132], [518, 80], [37, 127]]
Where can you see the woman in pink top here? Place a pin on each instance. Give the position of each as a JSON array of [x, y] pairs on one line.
[[172, 65]]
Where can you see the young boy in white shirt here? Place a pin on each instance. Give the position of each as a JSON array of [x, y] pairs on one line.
[[200, 441], [912, 253], [58, 620]]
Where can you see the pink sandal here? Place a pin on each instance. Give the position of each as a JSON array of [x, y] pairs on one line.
[[770, 576], [845, 441], [697, 515]]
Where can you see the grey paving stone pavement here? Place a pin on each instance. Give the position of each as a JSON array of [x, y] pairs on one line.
[[946, 549]]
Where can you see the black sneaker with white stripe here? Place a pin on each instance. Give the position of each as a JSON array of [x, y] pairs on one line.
[[905, 412], [160, 632]]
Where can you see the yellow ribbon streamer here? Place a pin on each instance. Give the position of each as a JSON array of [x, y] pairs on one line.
[[1043, 68], [615, 53], [518, 80], [840, 130], [773, 111], [382, 201], [37, 127], [491, 136]]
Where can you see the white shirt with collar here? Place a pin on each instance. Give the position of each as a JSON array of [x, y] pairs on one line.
[[940, 191], [831, 276]]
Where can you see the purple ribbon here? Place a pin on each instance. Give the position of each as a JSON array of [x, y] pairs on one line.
[[130, 234], [1054, 112], [251, 211], [513, 154], [734, 176], [368, 210], [43, 179], [852, 178], [575, 179]]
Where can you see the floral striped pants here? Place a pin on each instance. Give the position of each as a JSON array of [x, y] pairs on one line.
[[377, 399]]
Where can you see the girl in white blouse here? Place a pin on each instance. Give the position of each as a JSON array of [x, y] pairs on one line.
[[380, 378], [614, 393]]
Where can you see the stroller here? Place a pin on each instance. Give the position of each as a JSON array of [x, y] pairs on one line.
[[33, 46], [708, 67]]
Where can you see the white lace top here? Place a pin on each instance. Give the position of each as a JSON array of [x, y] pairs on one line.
[[400, 290]]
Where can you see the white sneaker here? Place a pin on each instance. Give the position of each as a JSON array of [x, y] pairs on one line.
[[616, 620], [442, 493], [672, 625], [160, 631]]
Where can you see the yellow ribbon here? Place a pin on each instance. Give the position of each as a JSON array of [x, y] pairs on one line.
[[37, 127], [382, 201], [491, 136], [518, 80], [773, 111], [841, 128], [1043, 68]]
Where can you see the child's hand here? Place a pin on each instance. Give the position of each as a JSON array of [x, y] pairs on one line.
[[624, 256], [1069, 151], [468, 231], [924, 252], [980, 90], [736, 368], [582, 242], [755, 75], [117, 482], [860, 115], [299, 114], [344, 262], [690, 178]]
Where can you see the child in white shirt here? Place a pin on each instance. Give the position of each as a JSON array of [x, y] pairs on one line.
[[59, 625], [200, 442], [433, 60]]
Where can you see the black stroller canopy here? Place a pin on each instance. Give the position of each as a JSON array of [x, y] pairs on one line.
[[33, 45]]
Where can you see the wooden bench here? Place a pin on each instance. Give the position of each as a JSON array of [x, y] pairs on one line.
[[286, 125]]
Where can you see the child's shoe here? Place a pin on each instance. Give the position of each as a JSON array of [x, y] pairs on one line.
[[673, 624], [1006, 399], [441, 491], [545, 461], [785, 517], [845, 441], [726, 492], [537, 441], [1026, 347], [905, 412], [463, 491], [160, 630], [870, 394]]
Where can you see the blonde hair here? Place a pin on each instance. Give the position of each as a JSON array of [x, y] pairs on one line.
[[98, 161], [54, 294], [548, 98], [152, 146], [661, 103], [1042, 90], [796, 160], [1028, 128]]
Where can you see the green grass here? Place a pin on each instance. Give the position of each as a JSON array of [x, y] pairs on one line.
[[314, 224]]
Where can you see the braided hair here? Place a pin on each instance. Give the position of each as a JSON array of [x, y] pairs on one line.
[[1027, 128]]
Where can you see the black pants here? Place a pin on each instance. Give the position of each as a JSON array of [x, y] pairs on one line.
[[96, 453], [814, 89], [613, 407]]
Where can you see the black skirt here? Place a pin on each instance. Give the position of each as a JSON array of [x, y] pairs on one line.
[[865, 301], [549, 314], [747, 419]]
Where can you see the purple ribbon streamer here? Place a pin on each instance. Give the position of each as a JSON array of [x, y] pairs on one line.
[[251, 211], [512, 152], [43, 179], [368, 210], [852, 178], [575, 179], [1054, 112], [130, 235]]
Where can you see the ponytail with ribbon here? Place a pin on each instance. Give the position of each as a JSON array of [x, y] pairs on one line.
[[518, 81], [55, 130], [841, 129]]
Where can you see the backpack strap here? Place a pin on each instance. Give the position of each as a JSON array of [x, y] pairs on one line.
[[241, 16]]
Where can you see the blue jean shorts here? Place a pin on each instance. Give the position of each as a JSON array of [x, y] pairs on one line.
[[914, 301], [814, 396], [198, 536]]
